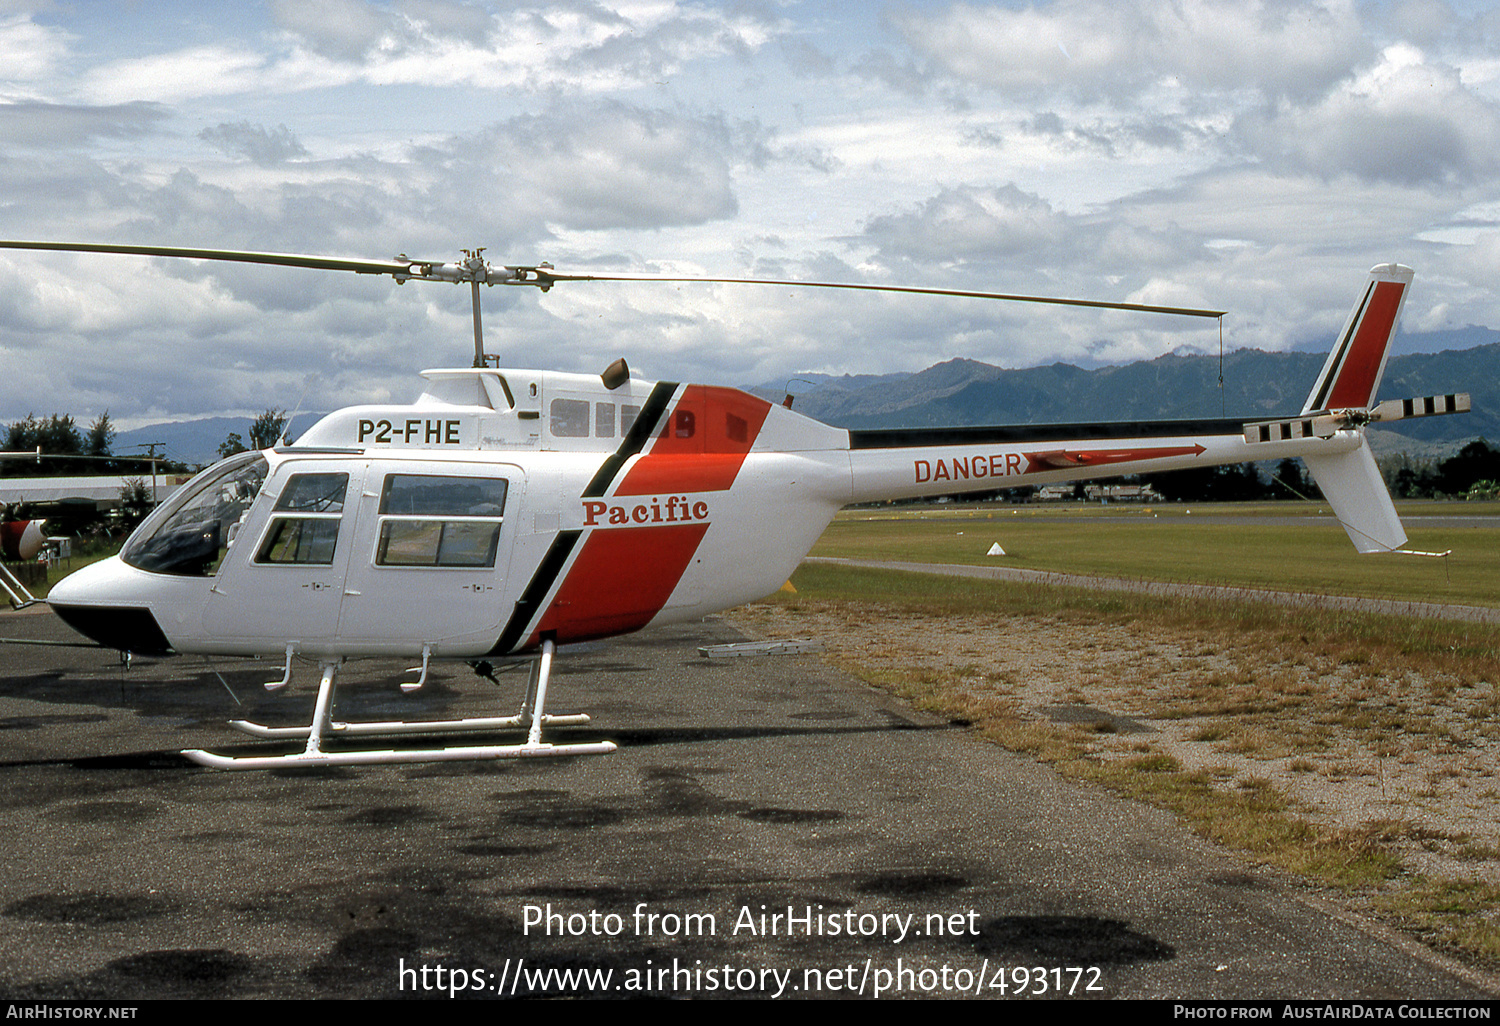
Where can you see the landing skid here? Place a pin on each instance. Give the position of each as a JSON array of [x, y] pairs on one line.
[[323, 726]]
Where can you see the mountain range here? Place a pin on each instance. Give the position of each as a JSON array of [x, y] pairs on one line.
[[1256, 385]]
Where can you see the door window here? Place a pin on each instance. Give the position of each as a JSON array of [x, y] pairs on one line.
[[430, 520], [305, 521]]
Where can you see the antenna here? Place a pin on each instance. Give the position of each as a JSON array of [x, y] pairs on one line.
[[286, 428]]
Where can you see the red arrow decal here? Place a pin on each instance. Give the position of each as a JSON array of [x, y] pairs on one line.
[[1058, 459]]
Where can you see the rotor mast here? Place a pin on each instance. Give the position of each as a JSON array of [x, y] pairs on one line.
[[471, 259]]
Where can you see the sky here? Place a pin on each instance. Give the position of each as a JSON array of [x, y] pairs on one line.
[[1254, 156]]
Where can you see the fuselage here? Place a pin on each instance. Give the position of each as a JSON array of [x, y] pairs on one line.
[[503, 507]]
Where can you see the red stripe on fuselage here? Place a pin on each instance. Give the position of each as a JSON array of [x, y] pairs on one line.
[[620, 580], [622, 577], [702, 445], [1356, 378], [664, 475]]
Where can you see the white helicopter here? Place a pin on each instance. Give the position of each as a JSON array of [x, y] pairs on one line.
[[506, 512]]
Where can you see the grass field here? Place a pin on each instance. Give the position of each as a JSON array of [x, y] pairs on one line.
[[1351, 749], [1264, 545]]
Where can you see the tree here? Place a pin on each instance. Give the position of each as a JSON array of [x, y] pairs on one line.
[[101, 437], [1238, 482], [59, 436], [1291, 482], [56, 436], [135, 500], [1477, 461], [265, 431], [232, 444]]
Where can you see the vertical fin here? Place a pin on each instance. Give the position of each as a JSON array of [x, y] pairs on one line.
[[1350, 480], [1353, 370]]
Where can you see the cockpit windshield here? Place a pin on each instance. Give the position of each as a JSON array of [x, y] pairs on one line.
[[190, 535]]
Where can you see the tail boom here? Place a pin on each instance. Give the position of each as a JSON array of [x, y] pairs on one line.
[[888, 465], [1328, 435]]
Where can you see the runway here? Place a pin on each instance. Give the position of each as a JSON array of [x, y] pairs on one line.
[[770, 827]]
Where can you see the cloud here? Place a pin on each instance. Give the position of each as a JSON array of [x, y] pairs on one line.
[[1256, 157], [62, 193], [48, 125], [1424, 22], [453, 20], [597, 166], [970, 222], [215, 70], [578, 47], [1100, 50], [1407, 120], [261, 146], [342, 29], [577, 167], [29, 52]]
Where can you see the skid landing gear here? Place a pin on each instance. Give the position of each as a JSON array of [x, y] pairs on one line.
[[324, 726]]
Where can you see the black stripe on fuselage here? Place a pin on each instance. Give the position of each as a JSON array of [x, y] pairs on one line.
[[530, 602], [914, 438], [646, 424]]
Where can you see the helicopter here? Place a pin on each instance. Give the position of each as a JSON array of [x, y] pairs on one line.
[[506, 512]]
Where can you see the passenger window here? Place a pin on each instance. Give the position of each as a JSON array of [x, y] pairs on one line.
[[305, 529], [570, 418], [627, 418], [686, 422], [416, 494], [439, 521], [604, 420]]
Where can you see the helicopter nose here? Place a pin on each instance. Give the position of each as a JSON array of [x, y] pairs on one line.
[[99, 602]]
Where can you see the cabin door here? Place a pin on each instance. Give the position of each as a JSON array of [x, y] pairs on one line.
[[282, 580], [431, 552]]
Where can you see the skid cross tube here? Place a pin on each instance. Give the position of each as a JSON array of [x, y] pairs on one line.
[[531, 716]]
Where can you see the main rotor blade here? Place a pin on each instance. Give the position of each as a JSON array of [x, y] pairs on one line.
[[548, 275], [401, 267], [544, 277]]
